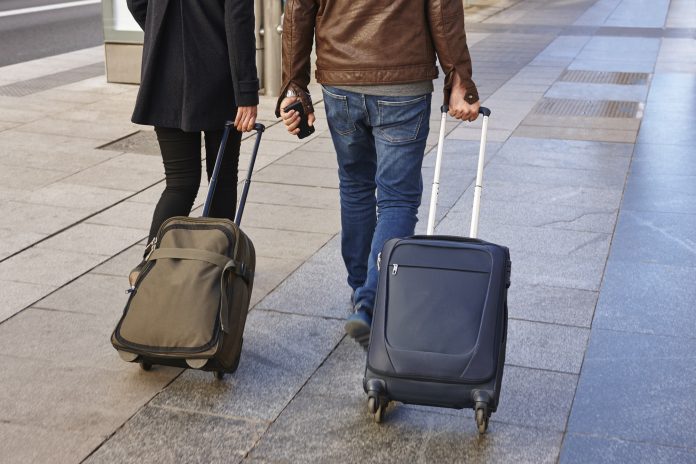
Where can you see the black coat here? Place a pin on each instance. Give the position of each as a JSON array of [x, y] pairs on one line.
[[199, 62]]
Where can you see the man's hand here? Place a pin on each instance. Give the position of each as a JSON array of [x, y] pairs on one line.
[[246, 118], [458, 107], [292, 117]]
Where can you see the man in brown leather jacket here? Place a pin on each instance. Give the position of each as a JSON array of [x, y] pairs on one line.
[[376, 62]]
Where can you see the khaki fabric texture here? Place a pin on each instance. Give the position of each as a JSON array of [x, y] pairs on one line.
[[175, 310]]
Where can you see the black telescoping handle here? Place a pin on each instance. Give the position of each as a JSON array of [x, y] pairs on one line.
[[482, 110], [245, 191], [216, 170]]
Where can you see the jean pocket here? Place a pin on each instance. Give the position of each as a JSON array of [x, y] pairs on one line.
[[400, 121], [337, 113]]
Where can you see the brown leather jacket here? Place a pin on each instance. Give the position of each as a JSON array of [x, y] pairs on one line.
[[374, 42]]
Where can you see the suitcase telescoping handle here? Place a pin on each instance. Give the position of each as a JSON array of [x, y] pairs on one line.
[[259, 128], [479, 173]]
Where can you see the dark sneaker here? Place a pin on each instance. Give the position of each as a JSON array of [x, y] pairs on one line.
[[358, 327]]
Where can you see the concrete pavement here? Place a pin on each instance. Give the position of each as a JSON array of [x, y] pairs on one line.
[[589, 181]]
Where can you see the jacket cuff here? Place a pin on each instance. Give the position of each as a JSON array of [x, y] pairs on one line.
[[303, 94], [471, 95], [248, 93]]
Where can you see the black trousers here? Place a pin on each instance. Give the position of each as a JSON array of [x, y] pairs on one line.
[[181, 155]]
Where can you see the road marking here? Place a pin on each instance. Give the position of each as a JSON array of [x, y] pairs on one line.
[[37, 9]]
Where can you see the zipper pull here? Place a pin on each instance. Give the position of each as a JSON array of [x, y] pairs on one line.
[[395, 269], [150, 248], [379, 261], [131, 290]]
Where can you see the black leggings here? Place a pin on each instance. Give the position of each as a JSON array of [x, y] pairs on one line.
[[181, 154]]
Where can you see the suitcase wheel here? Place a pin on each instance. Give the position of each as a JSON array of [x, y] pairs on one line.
[[220, 375], [482, 416], [376, 406], [146, 366]]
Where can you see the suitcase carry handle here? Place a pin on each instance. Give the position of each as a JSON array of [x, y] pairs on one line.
[[259, 128], [473, 232]]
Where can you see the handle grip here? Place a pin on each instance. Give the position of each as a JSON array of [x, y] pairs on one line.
[[482, 110]]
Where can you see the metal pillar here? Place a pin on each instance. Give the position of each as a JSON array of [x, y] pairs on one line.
[[258, 30], [271, 33]]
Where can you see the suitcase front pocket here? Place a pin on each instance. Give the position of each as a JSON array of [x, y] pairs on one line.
[[435, 310]]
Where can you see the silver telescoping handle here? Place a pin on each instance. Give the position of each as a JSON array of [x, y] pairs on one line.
[[479, 173]]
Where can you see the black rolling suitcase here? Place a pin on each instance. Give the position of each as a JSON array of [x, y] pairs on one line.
[[440, 318], [190, 297]]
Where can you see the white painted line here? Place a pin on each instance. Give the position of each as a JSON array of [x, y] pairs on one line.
[[57, 6]]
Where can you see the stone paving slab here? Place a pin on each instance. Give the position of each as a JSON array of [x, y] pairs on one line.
[[25, 180], [579, 449], [299, 175], [281, 351], [578, 272], [269, 273], [92, 402], [68, 195], [493, 212], [69, 339], [667, 193], [583, 91], [16, 296], [57, 158], [536, 193], [546, 346], [291, 218], [671, 238], [609, 179], [273, 243], [554, 305], [577, 133], [423, 434], [12, 242], [555, 202], [93, 239], [315, 159], [318, 288], [96, 294], [653, 159], [199, 438], [659, 302], [636, 387], [622, 124], [48, 444], [121, 264], [45, 266], [127, 214], [100, 134], [312, 196]]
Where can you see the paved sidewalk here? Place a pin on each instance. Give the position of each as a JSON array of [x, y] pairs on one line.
[[590, 180]]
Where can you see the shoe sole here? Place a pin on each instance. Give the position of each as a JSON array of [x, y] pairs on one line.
[[360, 332]]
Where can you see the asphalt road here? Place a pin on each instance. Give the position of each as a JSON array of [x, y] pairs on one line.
[[35, 35]]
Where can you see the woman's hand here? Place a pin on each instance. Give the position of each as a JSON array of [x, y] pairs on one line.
[[292, 117], [246, 118]]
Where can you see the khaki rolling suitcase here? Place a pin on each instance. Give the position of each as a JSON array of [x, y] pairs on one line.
[[189, 301]]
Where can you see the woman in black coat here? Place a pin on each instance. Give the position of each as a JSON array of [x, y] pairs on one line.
[[198, 71]]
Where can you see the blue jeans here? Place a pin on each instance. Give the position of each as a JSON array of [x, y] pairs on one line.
[[380, 144]]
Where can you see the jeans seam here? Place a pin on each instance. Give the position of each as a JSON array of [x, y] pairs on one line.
[[399, 140], [344, 101], [365, 112]]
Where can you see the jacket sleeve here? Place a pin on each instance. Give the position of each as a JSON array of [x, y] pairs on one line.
[[298, 38], [241, 45], [138, 9], [446, 19]]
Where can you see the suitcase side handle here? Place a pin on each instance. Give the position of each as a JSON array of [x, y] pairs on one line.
[[479, 173], [259, 128]]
